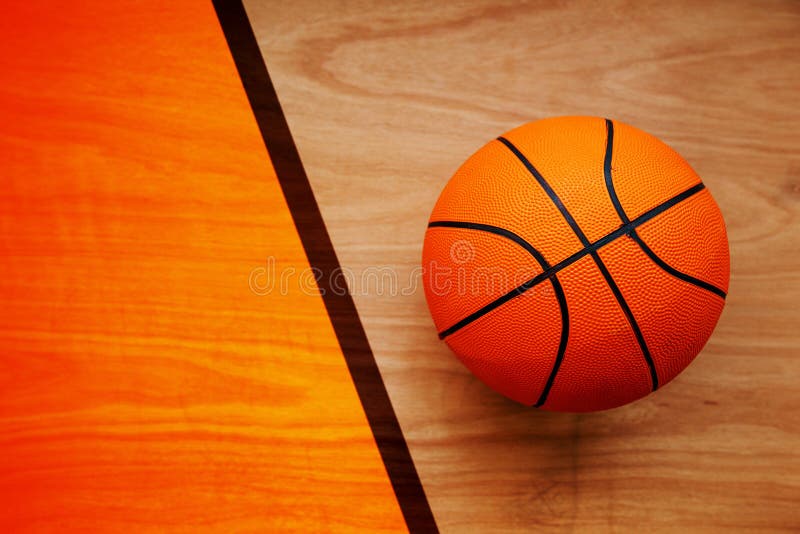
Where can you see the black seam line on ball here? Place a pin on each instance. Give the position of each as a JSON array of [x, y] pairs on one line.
[[605, 240], [675, 272], [508, 234], [607, 172], [549, 190], [634, 235], [631, 319], [539, 257]]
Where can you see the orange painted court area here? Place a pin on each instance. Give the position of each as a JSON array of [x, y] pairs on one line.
[[143, 385]]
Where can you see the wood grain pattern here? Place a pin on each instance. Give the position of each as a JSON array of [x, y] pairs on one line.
[[143, 385], [386, 100]]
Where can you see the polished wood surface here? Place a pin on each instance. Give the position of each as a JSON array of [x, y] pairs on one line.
[[386, 99], [145, 383]]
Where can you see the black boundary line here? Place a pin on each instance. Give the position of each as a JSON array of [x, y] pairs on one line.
[[322, 257], [634, 235], [595, 256], [545, 265], [603, 241]]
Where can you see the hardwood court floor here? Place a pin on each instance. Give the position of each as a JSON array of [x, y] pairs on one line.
[[386, 99], [144, 386]]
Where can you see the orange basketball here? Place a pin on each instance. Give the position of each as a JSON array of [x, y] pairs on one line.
[[576, 264]]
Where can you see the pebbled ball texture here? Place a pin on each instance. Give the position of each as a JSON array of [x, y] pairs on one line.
[[576, 264]]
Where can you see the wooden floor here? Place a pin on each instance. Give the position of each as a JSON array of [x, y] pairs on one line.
[[148, 383], [386, 99]]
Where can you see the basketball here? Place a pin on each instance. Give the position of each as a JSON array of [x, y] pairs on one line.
[[575, 264]]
